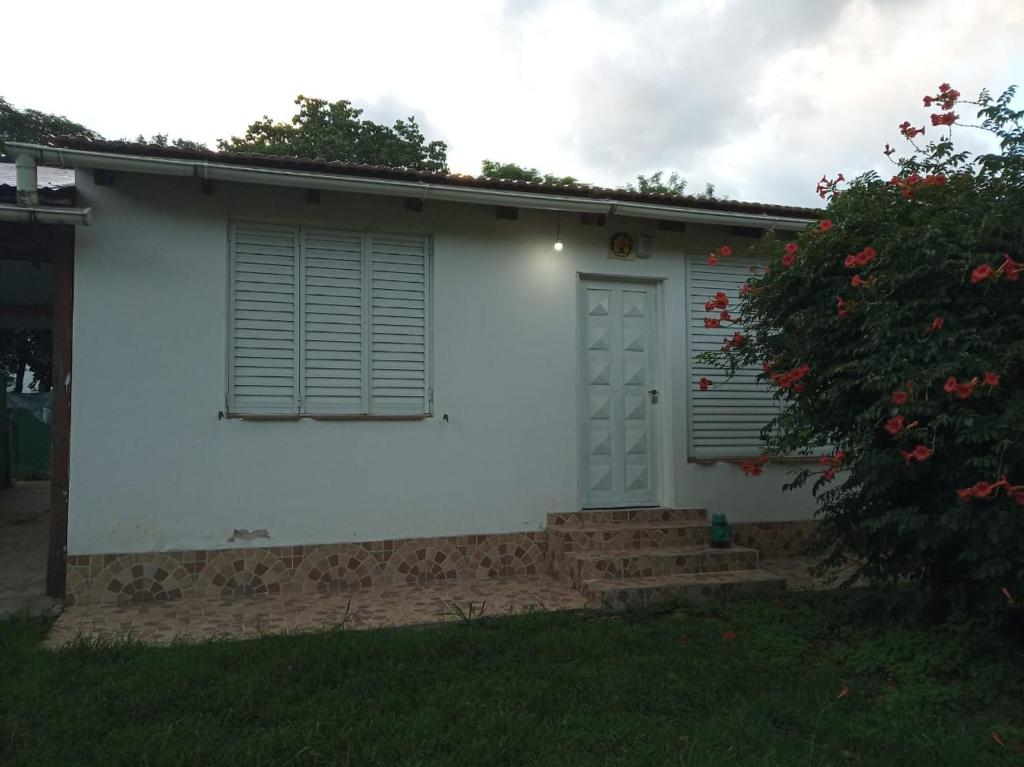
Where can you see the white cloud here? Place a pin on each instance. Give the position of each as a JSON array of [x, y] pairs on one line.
[[760, 98]]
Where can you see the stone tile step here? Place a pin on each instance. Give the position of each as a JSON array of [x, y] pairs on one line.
[[579, 566], [612, 536], [681, 587], [643, 514]]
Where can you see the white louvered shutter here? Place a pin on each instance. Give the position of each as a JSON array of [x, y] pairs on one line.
[[726, 420], [264, 332], [399, 322], [333, 339]]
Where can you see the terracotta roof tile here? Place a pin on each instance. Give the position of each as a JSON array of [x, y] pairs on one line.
[[443, 179]]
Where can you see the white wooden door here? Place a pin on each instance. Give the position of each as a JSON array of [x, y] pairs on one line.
[[618, 403]]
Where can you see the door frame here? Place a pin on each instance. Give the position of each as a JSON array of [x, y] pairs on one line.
[[661, 422], [60, 463]]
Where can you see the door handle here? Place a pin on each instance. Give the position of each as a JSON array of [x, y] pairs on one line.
[[654, 396]]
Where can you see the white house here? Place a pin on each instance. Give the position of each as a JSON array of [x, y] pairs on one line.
[[294, 374]]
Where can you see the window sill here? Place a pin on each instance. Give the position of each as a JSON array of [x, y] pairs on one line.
[[303, 417], [738, 459]]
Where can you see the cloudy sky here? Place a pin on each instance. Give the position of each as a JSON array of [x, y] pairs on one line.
[[759, 97]]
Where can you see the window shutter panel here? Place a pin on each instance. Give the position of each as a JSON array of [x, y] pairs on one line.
[[263, 363], [399, 323], [333, 323], [726, 420]]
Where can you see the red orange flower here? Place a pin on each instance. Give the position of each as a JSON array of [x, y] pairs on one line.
[[1011, 268], [900, 397], [962, 390], [754, 467], [735, 342], [991, 379], [704, 383], [920, 453], [825, 225], [909, 131], [937, 323], [980, 273], [895, 425]]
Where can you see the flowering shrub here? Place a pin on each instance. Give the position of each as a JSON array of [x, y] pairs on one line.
[[893, 333]]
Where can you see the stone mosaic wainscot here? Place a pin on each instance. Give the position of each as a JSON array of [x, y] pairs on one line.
[[113, 578], [330, 568]]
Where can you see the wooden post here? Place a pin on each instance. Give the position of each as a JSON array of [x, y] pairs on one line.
[[60, 464]]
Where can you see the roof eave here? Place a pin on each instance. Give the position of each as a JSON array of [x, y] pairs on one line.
[[204, 169]]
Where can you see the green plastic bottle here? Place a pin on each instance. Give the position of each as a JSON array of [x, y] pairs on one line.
[[721, 532]]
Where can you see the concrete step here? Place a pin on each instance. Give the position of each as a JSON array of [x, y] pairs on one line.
[[680, 587], [645, 514], [615, 536], [580, 566]]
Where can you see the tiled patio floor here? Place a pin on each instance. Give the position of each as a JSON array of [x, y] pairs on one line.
[[246, 617], [24, 536]]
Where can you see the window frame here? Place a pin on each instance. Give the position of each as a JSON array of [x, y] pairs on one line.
[[233, 411]]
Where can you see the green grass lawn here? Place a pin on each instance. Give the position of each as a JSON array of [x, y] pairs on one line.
[[668, 687]]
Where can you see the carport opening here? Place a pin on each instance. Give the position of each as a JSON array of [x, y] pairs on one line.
[[36, 263]]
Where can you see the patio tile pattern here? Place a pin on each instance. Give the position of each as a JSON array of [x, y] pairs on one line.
[[774, 540], [160, 622], [259, 614]]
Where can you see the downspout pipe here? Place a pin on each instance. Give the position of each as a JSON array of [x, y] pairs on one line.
[[28, 210], [27, 177]]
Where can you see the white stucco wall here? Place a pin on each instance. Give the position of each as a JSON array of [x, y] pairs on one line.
[[153, 468]]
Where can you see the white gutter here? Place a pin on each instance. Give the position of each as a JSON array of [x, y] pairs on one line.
[[700, 216], [424, 190], [45, 215]]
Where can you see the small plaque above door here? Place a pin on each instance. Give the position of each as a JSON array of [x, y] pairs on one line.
[[622, 247]]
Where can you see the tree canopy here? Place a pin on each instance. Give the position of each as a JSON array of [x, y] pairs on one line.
[[673, 185], [25, 350], [31, 125], [513, 172], [334, 131], [329, 130]]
